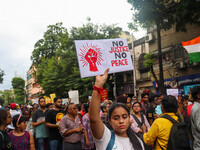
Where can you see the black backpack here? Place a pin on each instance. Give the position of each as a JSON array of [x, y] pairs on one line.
[[179, 136]]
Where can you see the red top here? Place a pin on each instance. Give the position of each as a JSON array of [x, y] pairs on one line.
[[82, 113], [189, 107]]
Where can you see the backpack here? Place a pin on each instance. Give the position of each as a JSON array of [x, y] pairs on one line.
[[112, 141], [3, 146], [179, 137]]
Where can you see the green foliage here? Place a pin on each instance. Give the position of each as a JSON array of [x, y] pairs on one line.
[[166, 13], [2, 101], [18, 86], [59, 73], [52, 75], [149, 61], [7, 96], [51, 44], [1, 76]]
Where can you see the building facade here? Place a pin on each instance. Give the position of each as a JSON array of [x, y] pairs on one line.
[[178, 71], [33, 89]]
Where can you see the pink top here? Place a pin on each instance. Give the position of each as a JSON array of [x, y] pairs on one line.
[[134, 125]]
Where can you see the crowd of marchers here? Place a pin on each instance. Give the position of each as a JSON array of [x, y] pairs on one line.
[[160, 122]]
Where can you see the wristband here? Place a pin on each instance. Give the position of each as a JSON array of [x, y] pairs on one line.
[[98, 89]]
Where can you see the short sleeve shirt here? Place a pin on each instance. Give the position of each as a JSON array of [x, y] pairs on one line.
[[121, 143], [54, 117], [41, 131]]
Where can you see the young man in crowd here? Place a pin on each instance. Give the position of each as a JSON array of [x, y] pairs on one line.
[[71, 129], [161, 127], [38, 121], [153, 99], [125, 100], [134, 99], [52, 121], [145, 103], [195, 117]]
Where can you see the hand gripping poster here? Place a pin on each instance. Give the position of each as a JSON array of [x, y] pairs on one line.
[[95, 56]]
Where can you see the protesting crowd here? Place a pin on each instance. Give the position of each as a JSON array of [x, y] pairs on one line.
[[160, 122]]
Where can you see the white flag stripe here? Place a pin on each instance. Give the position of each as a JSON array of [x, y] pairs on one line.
[[193, 48]]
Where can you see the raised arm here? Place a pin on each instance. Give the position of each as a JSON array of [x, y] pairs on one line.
[[96, 123]]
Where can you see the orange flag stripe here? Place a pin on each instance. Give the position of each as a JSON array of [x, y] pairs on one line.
[[192, 42]]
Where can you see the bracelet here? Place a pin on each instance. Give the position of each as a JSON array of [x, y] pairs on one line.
[[98, 89]]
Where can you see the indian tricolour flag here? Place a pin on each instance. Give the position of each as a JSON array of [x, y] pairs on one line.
[[193, 49]]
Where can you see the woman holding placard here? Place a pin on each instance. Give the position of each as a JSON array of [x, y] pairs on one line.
[[122, 137]]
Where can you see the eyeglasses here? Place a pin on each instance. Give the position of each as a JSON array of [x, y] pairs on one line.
[[136, 106]]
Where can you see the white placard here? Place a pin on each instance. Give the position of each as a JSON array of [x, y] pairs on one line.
[[95, 56], [173, 92], [74, 95]]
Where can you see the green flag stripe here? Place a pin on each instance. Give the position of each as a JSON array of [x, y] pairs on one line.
[[194, 57]]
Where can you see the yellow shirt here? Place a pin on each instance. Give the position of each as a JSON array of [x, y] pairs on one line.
[[159, 130]]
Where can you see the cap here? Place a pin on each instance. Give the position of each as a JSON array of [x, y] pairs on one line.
[[13, 105]]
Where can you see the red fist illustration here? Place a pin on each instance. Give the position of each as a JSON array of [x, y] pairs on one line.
[[91, 58]]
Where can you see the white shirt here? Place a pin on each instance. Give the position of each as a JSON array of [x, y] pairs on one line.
[[121, 143]]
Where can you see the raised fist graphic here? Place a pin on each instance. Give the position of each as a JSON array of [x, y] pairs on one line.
[[91, 58]]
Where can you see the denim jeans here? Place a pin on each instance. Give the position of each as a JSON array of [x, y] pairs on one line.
[[43, 144], [55, 144]]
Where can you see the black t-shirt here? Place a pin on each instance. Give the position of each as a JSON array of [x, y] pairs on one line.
[[5, 142], [54, 117]]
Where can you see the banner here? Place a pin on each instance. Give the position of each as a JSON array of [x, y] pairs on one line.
[[74, 95], [95, 56], [104, 95], [189, 88]]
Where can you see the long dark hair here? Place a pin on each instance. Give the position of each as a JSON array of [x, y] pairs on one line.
[[3, 116], [133, 138]]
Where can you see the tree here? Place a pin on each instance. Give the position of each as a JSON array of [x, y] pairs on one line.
[[1, 75], [2, 101], [51, 43], [60, 73], [164, 14], [19, 92], [7, 96]]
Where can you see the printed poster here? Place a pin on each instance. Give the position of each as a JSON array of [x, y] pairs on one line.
[[95, 56], [173, 92]]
